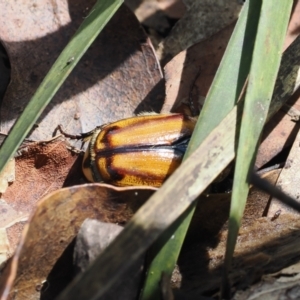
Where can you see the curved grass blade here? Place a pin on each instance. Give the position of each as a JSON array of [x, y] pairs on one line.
[[271, 32], [92, 25]]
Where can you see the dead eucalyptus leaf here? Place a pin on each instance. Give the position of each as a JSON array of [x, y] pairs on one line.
[[53, 226], [117, 77], [190, 73], [40, 169], [202, 19]]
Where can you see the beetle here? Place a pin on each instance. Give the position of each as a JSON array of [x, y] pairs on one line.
[[142, 150]]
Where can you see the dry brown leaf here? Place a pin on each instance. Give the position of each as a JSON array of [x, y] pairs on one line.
[[40, 169], [116, 78], [278, 134], [202, 19], [190, 73], [294, 25], [54, 225]]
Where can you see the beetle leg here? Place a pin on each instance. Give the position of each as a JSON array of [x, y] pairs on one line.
[[83, 136], [70, 136]]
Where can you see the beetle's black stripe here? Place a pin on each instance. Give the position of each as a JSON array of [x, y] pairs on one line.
[[109, 133], [115, 174], [179, 146]]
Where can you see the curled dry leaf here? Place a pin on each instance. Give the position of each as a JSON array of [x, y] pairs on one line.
[[117, 77], [54, 225]]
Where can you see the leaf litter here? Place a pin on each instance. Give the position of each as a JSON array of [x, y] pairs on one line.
[[186, 66]]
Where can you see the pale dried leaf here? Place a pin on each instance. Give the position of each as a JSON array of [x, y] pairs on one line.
[[7, 176], [278, 134], [9, 215], [4, 247], [280, 285], [289, 179], [190, 73]]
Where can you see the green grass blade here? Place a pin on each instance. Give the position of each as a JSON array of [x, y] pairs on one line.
[[92, 25], [164, 254], [271, 32], [231, 75], [224, 93]]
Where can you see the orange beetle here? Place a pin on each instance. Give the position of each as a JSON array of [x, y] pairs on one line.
[[142, 150]]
